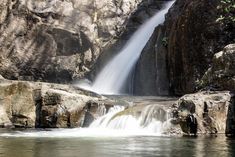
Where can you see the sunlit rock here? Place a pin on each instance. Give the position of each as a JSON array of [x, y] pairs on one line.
[[17, 104], [57, 40], [211, 110], [44, 105]]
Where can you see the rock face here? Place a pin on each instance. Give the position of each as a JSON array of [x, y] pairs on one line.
[[221, 74], [57, 40], [213, 111], [43, 105], [191, 35]]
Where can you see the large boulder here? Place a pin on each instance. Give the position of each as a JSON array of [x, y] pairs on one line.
[[62, 109], [221, 74], [213, 112], [45, 105]]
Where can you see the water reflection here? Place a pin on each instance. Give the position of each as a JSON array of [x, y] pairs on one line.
[[118, 146], [231, 146]]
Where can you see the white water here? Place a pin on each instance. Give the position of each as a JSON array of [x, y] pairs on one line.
[[150, 122], [113, 76], [110, 125]]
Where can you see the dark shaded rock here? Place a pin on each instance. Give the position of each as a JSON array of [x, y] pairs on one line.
[[193, 37], [230, 123], [188, 40], [150, 74]]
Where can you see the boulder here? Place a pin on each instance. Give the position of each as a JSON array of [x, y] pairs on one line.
[[44, 105], [17, 105], [221, 74], [210, 109], [62, 109]]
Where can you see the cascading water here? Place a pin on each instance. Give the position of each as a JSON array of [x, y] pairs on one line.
[[137, 120], [113, 76], [148, 120]]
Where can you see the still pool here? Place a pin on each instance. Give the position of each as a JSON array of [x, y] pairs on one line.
[[116, 146]]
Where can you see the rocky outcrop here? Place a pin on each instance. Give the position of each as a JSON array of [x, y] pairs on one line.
[[44, 105], [57, 40], [192, 33], [213, 112], [221, 74]]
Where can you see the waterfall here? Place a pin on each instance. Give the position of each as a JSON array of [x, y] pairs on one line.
[[134, 121], [113, 76]]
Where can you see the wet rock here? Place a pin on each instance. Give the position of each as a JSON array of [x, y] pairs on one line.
[[151, 71], [94, 110], [221, 74]]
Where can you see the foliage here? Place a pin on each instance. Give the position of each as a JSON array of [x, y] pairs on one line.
[[227, 11]]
